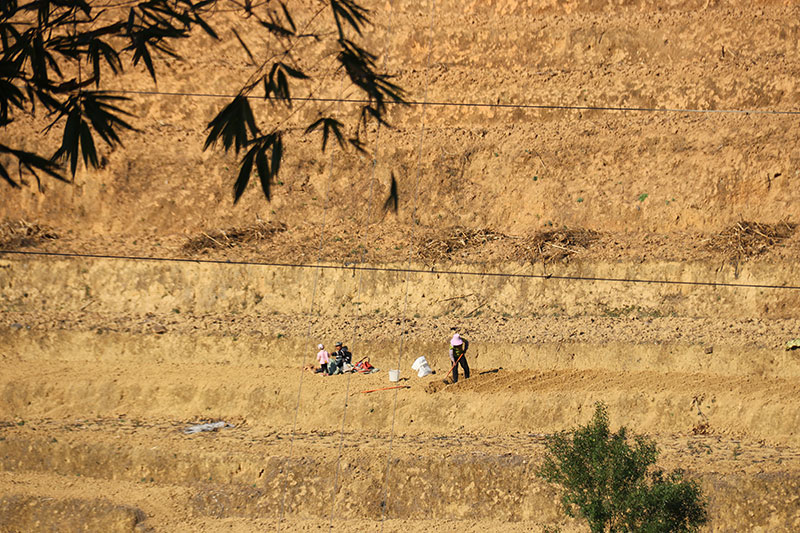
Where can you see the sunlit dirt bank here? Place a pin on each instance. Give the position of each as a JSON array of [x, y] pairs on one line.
[[100, 380], [601, 196]]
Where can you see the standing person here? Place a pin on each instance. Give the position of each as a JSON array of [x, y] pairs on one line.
[[458, 356], [322, 358]]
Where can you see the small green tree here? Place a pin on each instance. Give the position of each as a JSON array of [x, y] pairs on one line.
[[609, 479]]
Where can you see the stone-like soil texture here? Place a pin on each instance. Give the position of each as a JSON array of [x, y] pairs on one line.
[[601, 196]]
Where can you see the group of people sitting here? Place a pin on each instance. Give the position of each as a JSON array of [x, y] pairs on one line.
[[341, 360], [338, 362]]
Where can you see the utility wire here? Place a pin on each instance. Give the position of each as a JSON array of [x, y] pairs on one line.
[[385, 491], [308, 333], [357, 301], [445, 103], [362, 268]]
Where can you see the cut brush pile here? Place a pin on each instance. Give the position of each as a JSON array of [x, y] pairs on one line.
[[231, 237], [744, 240], [432, 248], [555, 245], [19, 234]]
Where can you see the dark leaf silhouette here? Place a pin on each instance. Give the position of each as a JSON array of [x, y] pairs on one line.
[[54, 51], [245, 169], [233, 125], [104, 116], [356, 143], [277, 155], [351, 13], [264, 176], [288, 17], [266, 166], [244, 46], [393, 199], [276, 84], [277, 29], [328, 125], [105, 119], [30, 162]]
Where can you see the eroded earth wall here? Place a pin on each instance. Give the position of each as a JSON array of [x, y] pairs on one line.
[[662, 136], [607, 115]]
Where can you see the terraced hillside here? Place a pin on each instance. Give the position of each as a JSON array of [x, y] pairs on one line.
[[643, 256]]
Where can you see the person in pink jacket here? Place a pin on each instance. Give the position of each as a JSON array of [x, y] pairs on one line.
[[322, 358]]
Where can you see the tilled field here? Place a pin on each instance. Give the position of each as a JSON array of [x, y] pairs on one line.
[[597, 194], [95, 437], [123, 470]]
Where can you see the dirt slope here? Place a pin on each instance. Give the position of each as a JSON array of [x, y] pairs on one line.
[[606, 170], [644, 257]]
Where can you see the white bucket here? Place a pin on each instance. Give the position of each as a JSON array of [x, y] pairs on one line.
[[394, 375], [422, 367]]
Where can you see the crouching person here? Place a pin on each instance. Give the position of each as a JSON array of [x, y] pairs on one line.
[[341, 359], [343, 353], [337, 360]]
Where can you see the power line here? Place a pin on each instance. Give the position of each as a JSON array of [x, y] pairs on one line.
[[362, 268], [385, 491], [357, 301], [308, 333], [445, 103], [135, 3]]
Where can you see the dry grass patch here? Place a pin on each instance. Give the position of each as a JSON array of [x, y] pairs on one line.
[[232, 237], [435, 246], [744, 240], [555, 245], [450, 244], [20, 233]]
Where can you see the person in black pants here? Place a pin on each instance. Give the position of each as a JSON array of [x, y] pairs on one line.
[[343, 353], [338, 358], [458, 354]]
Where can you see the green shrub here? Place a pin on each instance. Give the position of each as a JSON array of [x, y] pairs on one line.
[[609, 479]]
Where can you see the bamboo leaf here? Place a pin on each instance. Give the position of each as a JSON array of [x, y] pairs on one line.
[[4, 174], [244, 175], [354, 15], [262, 166], [241, 42], [233, 125], [277, 155], [288, 17], [71, 138], [32, 162], [277, 29], [394, 198], [283, 88], [87, 145], [329, 125], [300, 75]]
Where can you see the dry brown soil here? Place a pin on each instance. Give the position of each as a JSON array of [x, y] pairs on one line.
[[645, 259]]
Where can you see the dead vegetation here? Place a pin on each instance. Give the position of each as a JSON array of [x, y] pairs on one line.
[[451, 244], [744, 240], [441, 246], [556, 245], [20, 233], [232, 237]]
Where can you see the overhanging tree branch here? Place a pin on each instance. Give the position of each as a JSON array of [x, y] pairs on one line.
[[46, 41]]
